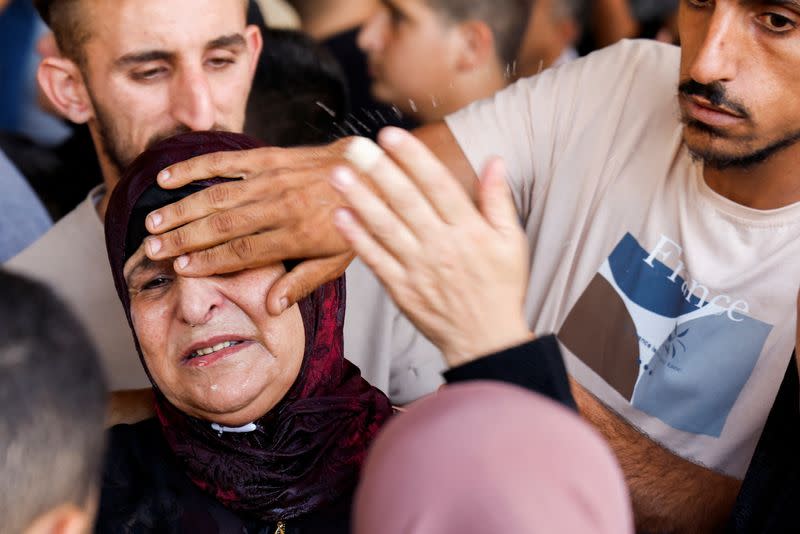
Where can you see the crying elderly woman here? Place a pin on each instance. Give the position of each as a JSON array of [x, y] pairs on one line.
[[261, 422], [262, 425]]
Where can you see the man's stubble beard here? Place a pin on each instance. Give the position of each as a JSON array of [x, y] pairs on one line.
[[747, 157], [742, 161], [121, 154]]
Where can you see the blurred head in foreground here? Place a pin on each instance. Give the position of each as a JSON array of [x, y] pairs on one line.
[[53, 395], [488, 457]]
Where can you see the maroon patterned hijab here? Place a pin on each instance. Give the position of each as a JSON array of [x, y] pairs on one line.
[[306, 453]]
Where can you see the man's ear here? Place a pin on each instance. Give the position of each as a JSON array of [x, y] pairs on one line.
[[61, 81], [255, 43], [478, 45], [65, 519]]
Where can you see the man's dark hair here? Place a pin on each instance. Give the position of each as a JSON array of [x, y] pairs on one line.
[[299, 92], [507, 19], [53, 401], [66, 19]]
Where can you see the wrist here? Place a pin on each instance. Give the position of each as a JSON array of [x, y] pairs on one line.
[[487, 342]]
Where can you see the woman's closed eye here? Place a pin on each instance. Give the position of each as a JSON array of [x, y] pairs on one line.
[[156, 282], [152, 284], [146, 275]]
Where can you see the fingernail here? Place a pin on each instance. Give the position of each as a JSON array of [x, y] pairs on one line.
[[155, 220], [284, 304], [342, 178], [164, 176], [182, 261], [391, 136], [153, 245], [363, 153]]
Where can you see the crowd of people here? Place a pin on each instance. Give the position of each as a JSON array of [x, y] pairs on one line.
[[399, 266]]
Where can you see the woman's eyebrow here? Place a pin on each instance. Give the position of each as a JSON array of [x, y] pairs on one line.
[[142, 265]]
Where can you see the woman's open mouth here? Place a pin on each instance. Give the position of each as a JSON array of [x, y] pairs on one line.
[[212, 351]]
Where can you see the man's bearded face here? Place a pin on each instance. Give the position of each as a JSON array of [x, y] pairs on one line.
[[154, 69], [740, 74]]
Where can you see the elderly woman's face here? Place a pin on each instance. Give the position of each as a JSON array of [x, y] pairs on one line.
[[209, 343]]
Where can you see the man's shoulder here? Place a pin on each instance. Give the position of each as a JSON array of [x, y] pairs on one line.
[[632, 65], [639, 52], [75, 239], [646, 47], [625, 88]]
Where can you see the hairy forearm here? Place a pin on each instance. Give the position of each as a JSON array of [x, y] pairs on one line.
[[669, 494]]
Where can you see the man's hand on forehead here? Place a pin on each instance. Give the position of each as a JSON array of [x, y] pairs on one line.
[[282, 210]]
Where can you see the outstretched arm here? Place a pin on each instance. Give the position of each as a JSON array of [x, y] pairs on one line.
[[669, 494], [460, 274], [282, 210]]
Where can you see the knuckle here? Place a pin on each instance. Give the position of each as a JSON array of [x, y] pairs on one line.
[[270, 156], [223, 223], [217, 195], [178, 210], [243, 248], [298, 200], [307, 233], [286, 199], [238, 189], [187, 168], [216, 162], [211, 256], [179, 238]]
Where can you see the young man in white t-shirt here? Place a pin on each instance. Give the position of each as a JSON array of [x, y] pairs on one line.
[[663, 224], [430, 58]]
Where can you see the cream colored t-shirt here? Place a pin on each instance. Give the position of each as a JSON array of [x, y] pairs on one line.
[[676, 306], [71, 259]]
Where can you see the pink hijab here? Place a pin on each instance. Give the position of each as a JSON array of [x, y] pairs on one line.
[[487, 457]]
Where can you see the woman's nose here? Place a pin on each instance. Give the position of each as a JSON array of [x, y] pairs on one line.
[[198, 300]]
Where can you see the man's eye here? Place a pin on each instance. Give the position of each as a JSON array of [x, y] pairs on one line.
[[149, 74], [155, 283], [776, 23], [699, 3], [219, 63]]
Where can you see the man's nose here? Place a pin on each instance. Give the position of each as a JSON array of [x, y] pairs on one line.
[[192, 101], [198, 300], [718, 56], [373, 32]]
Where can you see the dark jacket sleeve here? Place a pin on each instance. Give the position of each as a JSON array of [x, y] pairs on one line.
[[537, 366]]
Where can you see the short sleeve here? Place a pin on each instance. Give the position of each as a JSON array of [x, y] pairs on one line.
[[572, 111]]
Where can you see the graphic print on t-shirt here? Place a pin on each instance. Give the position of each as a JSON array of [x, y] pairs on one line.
[[671, 346]]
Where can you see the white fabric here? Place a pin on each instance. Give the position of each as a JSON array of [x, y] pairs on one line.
[[676, 305], [569, 54], [71, 259]]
